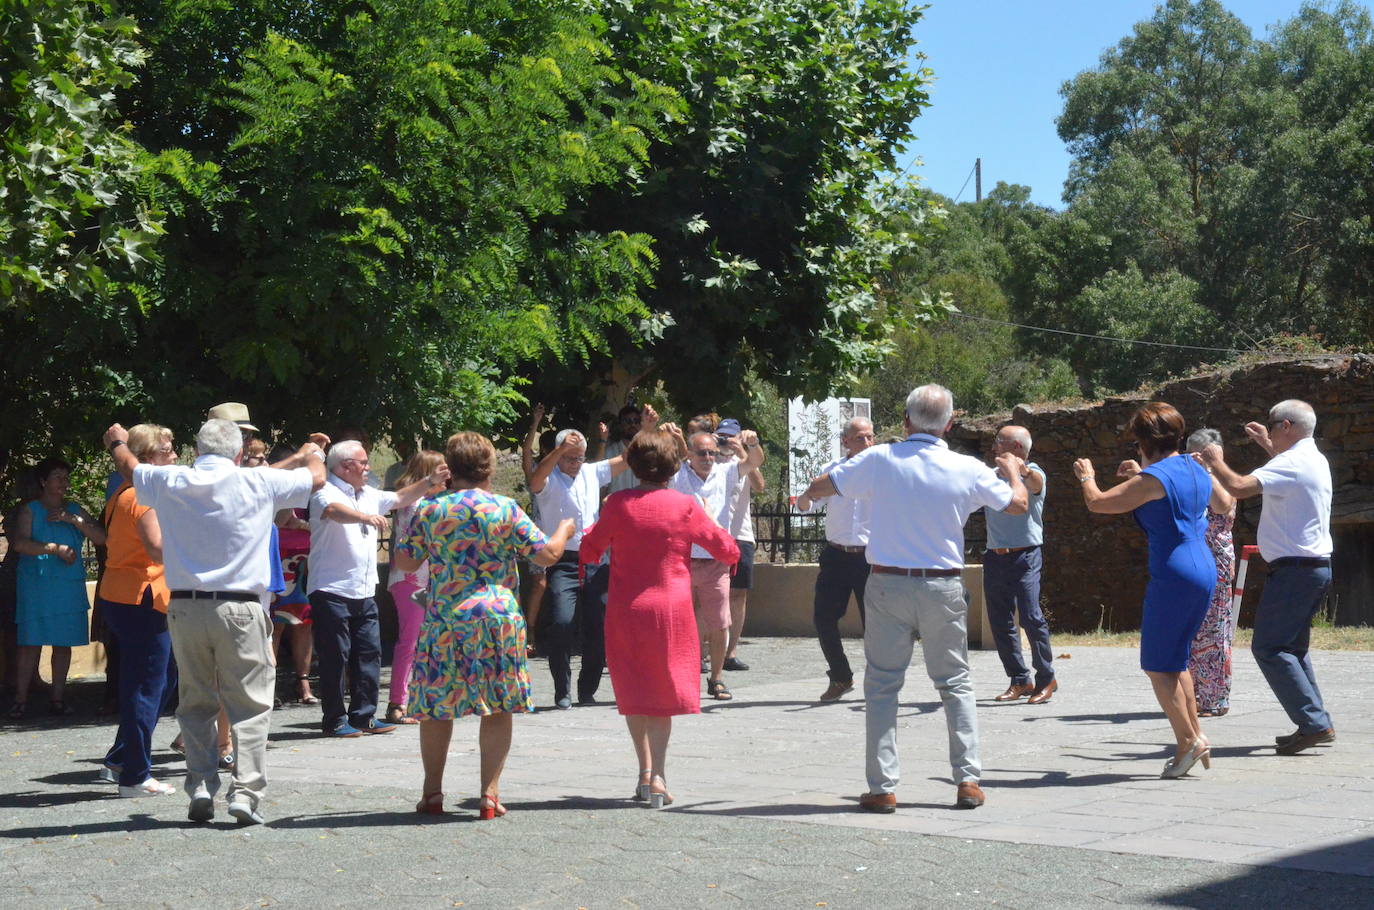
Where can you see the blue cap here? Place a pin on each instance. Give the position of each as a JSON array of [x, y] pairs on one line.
[[728, 427]]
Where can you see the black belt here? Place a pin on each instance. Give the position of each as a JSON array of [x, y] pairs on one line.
[[1003, 551], [1306, 562], [846, 548], [917, 573], [214, 595]]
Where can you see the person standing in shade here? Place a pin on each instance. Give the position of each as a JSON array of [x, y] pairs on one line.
[[1295, 539], [921, 495], [1011, 578], [843, 568]]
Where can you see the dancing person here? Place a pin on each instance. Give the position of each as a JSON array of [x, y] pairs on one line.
[[51, 593], [539, 580], [651, 630], [843, 568], [470, 658], [409, 590], [628, 421], [1168, 493], [1011, 579], [921, 495], [216, 529], [1295, 540], [1209, 661]]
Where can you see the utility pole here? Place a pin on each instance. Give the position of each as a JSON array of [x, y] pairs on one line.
[[978, 179]]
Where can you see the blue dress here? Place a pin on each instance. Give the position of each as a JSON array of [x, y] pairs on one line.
[[1182, 570], [52, 600]]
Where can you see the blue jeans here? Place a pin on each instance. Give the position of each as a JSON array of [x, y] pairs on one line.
[[347, 637], [1283, 624], [1011, 583], [145, 672], [571, 607]]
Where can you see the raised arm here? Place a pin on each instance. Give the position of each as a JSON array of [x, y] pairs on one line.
[[116, 440], [1009, 466], [1120, 499], [531, 437], [1241, 487], [408, 495], [573, 442]]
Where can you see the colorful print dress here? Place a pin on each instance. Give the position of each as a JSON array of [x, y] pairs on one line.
[[470, 658], [1210, 660]]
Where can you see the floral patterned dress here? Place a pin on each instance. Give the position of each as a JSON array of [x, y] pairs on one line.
[[470, 658], [1210, 659]]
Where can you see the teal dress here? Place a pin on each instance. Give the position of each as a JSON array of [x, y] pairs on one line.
[[51, 603]]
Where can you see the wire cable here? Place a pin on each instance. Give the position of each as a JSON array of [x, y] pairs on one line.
[[966, 180]]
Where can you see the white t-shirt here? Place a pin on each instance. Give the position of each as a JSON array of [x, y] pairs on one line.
[[846, 517], [718, 491], [343, 555], [1296, 518], [578, 498], [216, 520], [921, 495], [741, 518]]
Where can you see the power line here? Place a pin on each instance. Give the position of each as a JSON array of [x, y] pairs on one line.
[[966, 180]]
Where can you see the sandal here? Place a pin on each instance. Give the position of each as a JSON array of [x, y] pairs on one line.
[[395, 714], [58, 708], [306, 698], [490, 807], [431, 804], [659, 798], [717, 689], [19, 710]]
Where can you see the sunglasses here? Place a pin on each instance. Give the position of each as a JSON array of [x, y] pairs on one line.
[[705, 453]]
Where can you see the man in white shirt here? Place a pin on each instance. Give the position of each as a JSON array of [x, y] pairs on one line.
[[1295, 539], [216, 526], [627, 424], [843, 568], [347, 517], [716, 483], [921, 495], [742, 530]]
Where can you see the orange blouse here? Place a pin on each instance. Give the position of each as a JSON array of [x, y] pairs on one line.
[[129, 570]]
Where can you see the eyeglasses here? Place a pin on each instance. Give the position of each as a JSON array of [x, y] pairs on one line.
[[705, 453], [362, 461], [574, 459], [1276, 423]]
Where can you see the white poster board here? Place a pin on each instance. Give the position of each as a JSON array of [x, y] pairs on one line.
[[813, 435]]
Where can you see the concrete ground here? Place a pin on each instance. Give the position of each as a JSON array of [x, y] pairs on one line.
[[766, 808]]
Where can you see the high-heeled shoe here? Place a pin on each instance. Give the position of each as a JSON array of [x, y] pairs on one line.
[[1199, 751], [490, 807], [431, 804], [659, 798], [642, 786]]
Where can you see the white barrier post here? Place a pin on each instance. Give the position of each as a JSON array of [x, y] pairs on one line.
[[1238, 589]]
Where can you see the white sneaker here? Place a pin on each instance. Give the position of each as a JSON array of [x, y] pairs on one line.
[[149, 787]]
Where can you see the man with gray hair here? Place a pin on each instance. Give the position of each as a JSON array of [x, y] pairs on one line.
[[921, 495], [347, 518], [1295, 539], [216, 522], [1011, 578]]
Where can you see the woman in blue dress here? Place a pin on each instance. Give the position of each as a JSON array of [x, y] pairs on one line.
[[1168, 492]]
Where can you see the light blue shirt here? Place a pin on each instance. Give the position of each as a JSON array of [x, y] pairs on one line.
[[1025, 530]]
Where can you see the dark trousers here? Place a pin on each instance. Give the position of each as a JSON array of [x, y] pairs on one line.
[[1283, 625], [347, 637], [145, 672], [572, 607], [841, 574], [1011, 584]]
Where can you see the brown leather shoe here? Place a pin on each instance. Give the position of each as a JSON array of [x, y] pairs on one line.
[[1044, 693], [1305, 741], [885, 803], [1328, 737], [836, 689], [969, 795], [1015, 691]]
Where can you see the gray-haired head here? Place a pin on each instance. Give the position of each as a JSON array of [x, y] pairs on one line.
[[929, 409], [1020, 435], [564, 434], [856, 425], [340, 452], [219, 437], [1297, 412], [1201, 439]]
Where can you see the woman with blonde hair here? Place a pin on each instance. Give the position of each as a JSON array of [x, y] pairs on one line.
[[409, 590]]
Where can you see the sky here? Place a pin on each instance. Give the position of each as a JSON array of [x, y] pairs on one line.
[[999, 65]]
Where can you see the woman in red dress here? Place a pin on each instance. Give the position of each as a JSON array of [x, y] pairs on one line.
[[652, 646]]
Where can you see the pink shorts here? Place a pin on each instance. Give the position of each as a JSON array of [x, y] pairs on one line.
[[711, 595]]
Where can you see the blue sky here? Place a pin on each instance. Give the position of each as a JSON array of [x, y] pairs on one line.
[[999, 65]]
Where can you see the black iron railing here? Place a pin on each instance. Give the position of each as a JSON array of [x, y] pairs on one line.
[[785, 535]]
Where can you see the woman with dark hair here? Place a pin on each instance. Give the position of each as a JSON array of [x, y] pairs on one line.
[[470, 658], [51, 602], [652, 642], [1169, 496]]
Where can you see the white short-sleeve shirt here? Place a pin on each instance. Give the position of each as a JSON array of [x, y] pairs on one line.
[[343, 555], [921, 494], [846, 517], [1296, 517], [577, 497], [718, 491], [216, 520]]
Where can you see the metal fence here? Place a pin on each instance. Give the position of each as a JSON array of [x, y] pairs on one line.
[[783, 534]]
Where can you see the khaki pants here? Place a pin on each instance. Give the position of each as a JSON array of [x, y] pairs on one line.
[[224, 656]]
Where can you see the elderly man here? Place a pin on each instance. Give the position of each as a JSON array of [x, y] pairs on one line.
[[717, 484], [742, 530], [216, 522], [1011, 578], [843, 570], [1295, 539], [627, 423], [346, 519], [921, 495]]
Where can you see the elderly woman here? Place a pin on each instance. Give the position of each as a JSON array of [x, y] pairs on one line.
[[1169, 497], [133, 598], [471, 655], [1210, 661], [51, 597], [651, 628]]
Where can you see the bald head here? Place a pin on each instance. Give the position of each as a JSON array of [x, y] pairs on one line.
[[1014, 439], [856, 436]]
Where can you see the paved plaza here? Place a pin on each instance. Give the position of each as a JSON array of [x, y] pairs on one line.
[[766, 810]]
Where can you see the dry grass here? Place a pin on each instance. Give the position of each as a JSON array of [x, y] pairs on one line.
[[1324, 638]]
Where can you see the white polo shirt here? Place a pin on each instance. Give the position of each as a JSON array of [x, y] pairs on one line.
[[216, 520], [921, 494], [718, 491], [343, 555], [846, 517], [741, 518], [578, 498], [1296, 518]]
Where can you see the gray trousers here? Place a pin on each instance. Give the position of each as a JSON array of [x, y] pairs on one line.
[[900, 610], [224, 656]]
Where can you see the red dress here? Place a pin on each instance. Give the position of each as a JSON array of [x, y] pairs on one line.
[[651, 632]]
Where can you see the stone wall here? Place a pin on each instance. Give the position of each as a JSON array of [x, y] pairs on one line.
[[1095, 564]]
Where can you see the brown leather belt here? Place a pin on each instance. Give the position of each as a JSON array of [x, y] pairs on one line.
[[1003, 551], [846, 549], [917, 573]]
